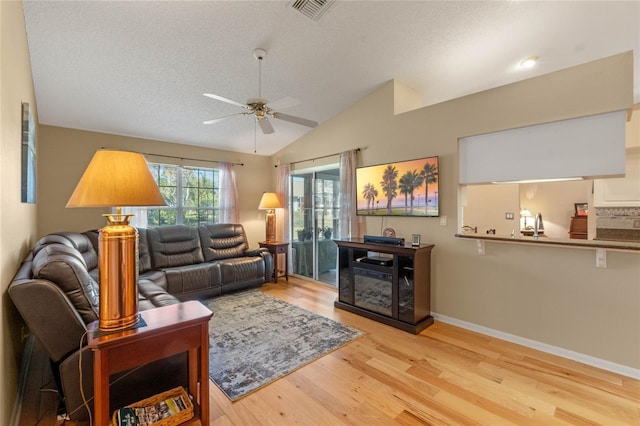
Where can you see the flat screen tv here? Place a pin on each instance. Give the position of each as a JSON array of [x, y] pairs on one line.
[[403, 188]]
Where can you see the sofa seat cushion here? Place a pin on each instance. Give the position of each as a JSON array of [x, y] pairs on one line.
[[190, 278], [159, 278], [150, 295], [241, 269]]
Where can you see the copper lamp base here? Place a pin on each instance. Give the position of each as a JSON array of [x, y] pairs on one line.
[[270, 222], [118, 260]]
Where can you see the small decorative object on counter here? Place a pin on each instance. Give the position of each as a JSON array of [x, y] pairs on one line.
[[389, 232], [582, 209]]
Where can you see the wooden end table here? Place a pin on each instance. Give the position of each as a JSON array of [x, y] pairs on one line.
[[276, 248], [169, 330]]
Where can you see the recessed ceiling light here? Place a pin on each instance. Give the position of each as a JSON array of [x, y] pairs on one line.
[[529, 62]]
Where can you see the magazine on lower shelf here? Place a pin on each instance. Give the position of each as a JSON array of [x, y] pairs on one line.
[[149, 415]]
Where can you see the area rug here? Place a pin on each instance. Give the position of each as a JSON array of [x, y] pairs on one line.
[[255, 339]]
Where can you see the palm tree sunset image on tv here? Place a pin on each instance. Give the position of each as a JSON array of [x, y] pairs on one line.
[[406, 188]]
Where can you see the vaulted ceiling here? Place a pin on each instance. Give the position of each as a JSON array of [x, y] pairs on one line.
[[140, 68]]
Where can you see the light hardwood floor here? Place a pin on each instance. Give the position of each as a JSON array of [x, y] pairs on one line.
[[443, 376]]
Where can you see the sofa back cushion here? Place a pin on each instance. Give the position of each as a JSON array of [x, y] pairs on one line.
[[49, 239], [64, 266], [83, 244], [144, 255], [175, 245], [222, 241]]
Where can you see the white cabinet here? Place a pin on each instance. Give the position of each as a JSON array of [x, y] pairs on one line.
[[620, 192]]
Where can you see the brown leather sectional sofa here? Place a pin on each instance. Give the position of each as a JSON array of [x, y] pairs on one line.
[[56, 292]]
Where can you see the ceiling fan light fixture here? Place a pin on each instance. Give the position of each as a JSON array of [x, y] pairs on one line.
[[260, 108], [529, 62], [259, 54]]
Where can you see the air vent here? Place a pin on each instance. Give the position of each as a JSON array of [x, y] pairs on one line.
[[312, 9]]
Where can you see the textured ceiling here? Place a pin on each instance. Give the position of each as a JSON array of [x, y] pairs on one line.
[[139, 68]]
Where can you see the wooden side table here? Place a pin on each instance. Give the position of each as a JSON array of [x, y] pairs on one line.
[[169, 330], [276, 248]]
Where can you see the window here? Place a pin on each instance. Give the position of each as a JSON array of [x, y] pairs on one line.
[[191, 194]]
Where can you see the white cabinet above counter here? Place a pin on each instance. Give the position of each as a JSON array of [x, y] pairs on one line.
[[620, 192], [583, 147]]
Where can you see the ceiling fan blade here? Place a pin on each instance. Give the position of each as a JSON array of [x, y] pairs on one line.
[[217, 120], [283, 103], [265, 125], [229, 101], [294, 119]]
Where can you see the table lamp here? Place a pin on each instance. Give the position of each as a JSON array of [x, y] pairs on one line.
[[270, 202], [525, 214], [116, 179]]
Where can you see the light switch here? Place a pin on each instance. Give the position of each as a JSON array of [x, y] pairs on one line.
[[508, 216], [443, 221], [480, 247]]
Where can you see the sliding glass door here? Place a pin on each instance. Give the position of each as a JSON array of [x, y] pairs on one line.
[[314, 222]]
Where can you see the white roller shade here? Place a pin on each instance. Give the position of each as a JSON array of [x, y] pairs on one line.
[[590, 146]]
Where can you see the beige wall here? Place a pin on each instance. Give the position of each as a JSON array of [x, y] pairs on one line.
[[17, 220], [67, 152], [485, 206], [551, 295]]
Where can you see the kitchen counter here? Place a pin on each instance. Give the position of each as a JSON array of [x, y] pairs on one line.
[[588, 244]]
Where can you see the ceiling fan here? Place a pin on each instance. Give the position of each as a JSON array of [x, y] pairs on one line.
[[262, 108]]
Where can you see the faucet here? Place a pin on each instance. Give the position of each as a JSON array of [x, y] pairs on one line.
[[537, 225], [468, 228]]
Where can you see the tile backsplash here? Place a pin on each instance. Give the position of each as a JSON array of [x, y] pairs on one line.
[[618, 223]]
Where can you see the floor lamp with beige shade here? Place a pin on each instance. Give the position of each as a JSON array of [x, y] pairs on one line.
[[117, 179], [270, 202]]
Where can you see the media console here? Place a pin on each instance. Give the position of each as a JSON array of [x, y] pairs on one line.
[[396, 292]]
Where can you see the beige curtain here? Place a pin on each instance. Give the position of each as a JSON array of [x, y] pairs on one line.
[[349, 222], [139, 218], [228, 194], [282, 215]]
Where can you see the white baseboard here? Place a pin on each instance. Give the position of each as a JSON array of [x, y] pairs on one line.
[[543, 347]]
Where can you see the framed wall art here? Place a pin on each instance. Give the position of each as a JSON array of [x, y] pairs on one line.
[[582, 209], [403, 188], [28, 157]]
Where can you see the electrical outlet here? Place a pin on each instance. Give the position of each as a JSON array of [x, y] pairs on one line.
[[601, 258], [508, 216]]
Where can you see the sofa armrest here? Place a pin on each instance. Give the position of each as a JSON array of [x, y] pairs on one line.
[[268, 261], [49, 314], [256, 252]]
